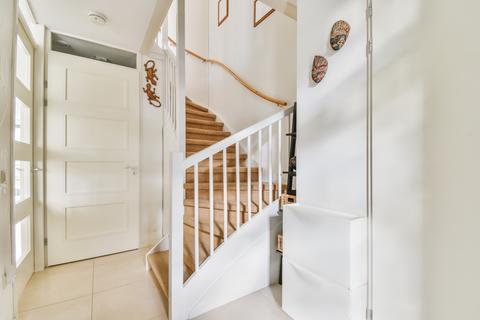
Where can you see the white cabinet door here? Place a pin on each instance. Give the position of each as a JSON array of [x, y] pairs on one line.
[[92, 136]]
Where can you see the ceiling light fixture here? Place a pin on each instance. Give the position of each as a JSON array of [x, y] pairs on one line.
[[61, 44], [97, 18], [99, 58]]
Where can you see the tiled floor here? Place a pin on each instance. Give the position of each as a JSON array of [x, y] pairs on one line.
[[118, 287]]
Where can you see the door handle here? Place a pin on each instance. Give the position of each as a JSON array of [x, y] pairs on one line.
[[36, 169], [134, 170]]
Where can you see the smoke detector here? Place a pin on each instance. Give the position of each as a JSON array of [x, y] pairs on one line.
[[97, 18]]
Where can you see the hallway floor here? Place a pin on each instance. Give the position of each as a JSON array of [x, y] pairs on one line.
[[118, 287]]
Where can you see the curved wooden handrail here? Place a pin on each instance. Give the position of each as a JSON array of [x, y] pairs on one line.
[[278, 102]]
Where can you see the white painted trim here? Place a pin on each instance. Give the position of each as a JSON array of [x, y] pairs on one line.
[[176, 239], [282, 6], [38, 148], [158, 16]]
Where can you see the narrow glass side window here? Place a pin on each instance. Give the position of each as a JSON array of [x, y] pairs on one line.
[[22, 122], [22, 239], [22, 180], [24, 64]]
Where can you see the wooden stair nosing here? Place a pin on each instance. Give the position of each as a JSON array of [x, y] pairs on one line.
[[208, 132]]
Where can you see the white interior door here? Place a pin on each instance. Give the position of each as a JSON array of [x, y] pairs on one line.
[[23, 151], [92, 137]]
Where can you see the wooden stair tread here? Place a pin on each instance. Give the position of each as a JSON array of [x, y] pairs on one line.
[[219, 156], [200, 142], [200, 113], [217, 170], [208, 132], [204, 122], [218, 205], [196, 106]]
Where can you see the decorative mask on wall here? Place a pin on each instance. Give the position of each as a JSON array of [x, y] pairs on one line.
[[151, 77], [319, 68], [339, 34]]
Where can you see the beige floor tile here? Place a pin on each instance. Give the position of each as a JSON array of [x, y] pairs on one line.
[[76, 309], [53, 289], [120, 273], [137, 301], [254, 306], [273, 293], [63, 268], [121, 256]]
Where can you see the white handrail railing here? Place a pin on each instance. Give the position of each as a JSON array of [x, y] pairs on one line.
[[223, 144], [179, 165]]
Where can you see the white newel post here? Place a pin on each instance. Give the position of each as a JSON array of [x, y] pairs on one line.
[[176, 239]]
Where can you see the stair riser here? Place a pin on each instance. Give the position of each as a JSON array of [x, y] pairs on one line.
[[200, 117], [231, 195], [203, 126], [218, 177], [201, 136], [199, 147]]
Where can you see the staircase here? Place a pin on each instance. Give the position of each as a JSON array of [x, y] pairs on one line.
[[202, 131]]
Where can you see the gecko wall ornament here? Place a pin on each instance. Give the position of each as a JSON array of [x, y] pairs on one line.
[[151, 77]]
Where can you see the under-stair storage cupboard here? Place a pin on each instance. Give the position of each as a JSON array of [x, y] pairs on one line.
[[324, 264]]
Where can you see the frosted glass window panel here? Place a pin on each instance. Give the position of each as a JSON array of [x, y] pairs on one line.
[[24, 64], [22, 240], [22, 122], [22, 181]]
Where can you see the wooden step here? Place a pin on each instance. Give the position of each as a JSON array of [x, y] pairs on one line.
[[194, 145], [204, 176], [218, 205], [218, 160], [193, 106], [199, 115], [232, 186], [202, 124], [202, 134]]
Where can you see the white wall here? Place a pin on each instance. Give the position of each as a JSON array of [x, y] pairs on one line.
[[150, 169], [196, 40], [7, 18], [452, 156], [331, 123], [263, 57]]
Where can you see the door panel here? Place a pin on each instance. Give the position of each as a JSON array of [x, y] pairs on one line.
[[92, 136]]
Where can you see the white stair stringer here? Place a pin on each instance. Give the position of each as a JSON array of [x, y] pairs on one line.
[[246, 263]]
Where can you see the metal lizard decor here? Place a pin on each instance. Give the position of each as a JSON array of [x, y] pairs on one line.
[[151, 76]]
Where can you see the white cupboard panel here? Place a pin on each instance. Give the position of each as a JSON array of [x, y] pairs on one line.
[[307, 297], [330, 244], [93, 221], [101, 133], [95, 176], [96, 90]]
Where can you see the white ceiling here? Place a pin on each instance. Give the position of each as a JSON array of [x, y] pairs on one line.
[[127, 20]]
